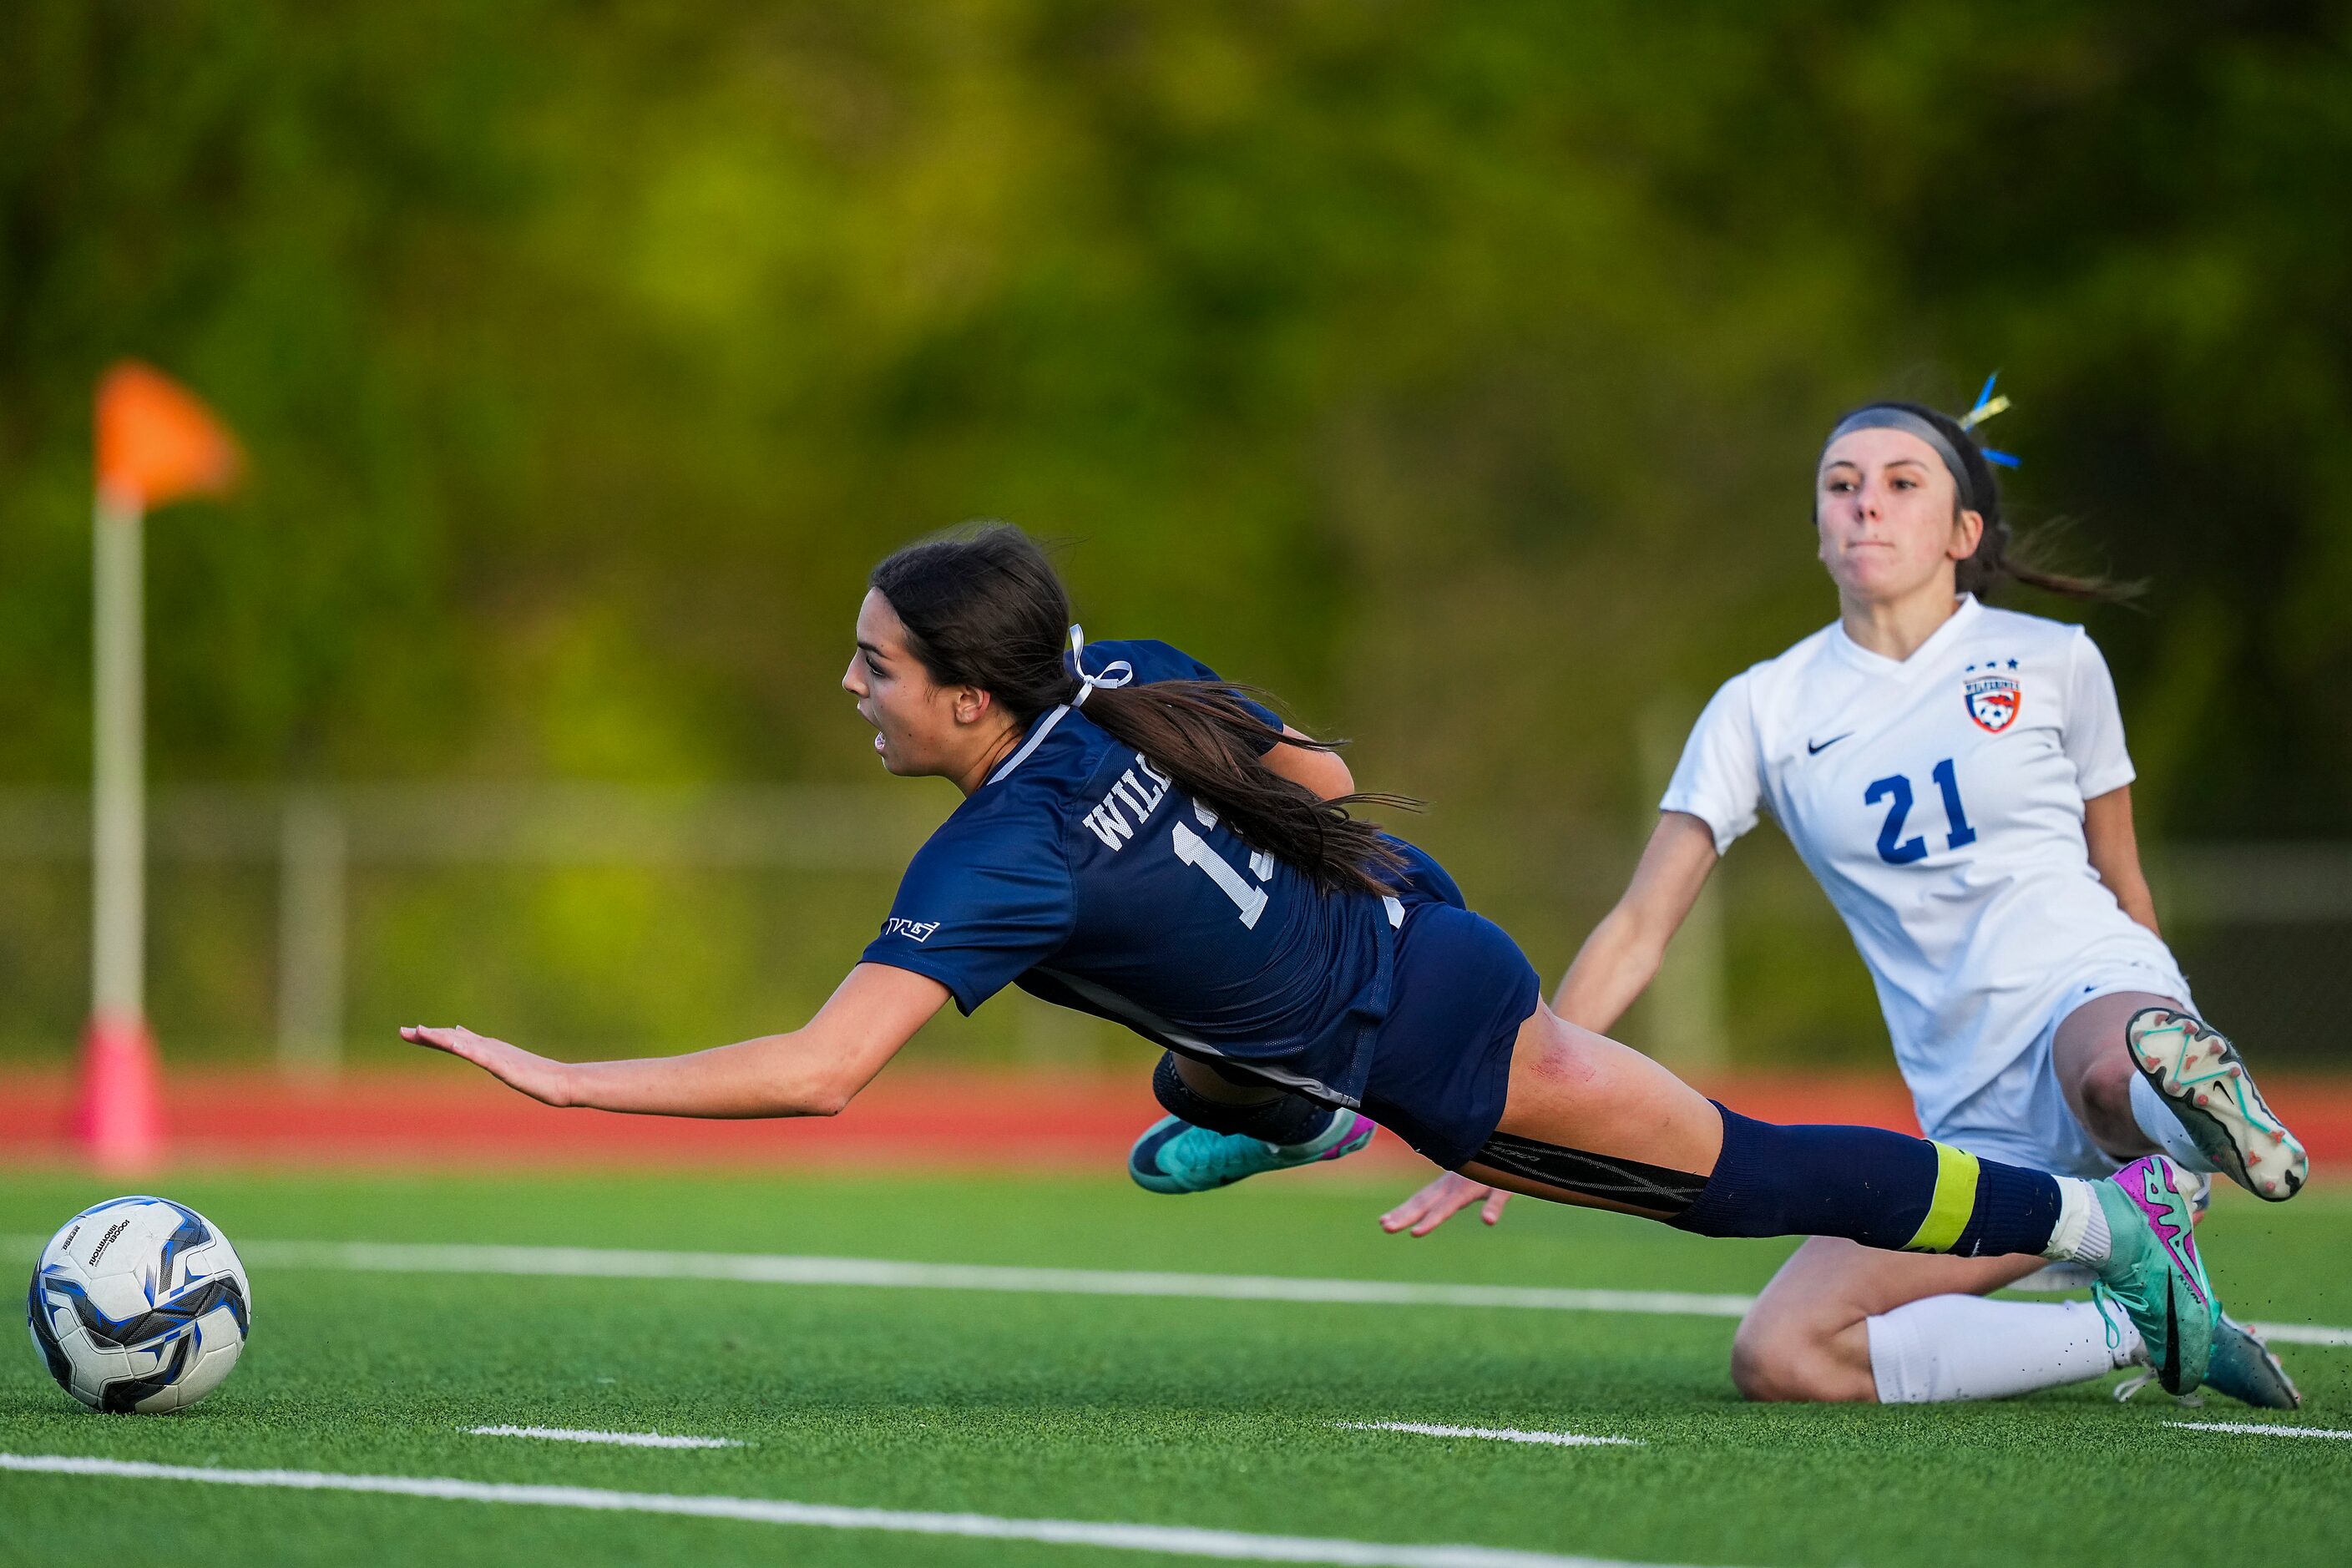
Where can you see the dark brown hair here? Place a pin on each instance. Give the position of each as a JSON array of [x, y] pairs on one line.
[[983, 607], [2000, 556]]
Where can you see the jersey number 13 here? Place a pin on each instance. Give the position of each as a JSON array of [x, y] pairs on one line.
[[1248, 896]]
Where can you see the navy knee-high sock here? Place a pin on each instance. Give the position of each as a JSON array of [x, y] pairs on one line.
[[1285, 1119], [1872, 1186]]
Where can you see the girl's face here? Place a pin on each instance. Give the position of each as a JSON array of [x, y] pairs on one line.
[[921, 728], [1889, 518]]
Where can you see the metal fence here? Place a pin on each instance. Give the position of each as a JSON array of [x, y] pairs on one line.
[[606, 913], [316, 848]]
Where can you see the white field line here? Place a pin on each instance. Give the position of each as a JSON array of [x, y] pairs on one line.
[[619, 1439], [1230, 1545], [2262, 1431], [2303, 1334], [788, 1269], [774, 1268], [1499, 1434]]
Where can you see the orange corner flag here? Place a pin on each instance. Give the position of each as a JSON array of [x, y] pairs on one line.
[[156, 442]]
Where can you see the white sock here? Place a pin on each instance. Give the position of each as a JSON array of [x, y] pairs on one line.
[[2081, 1234], [1965, 1347], [2153, 1116]]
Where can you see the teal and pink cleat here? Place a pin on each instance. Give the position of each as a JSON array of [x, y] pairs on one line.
[[2153, 1271], [1175, 1156], [2201, 1077]]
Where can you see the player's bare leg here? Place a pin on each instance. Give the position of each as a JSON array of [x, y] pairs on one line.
[[2094, 1070], [1843, 1323], [1808, 1337], [1575, 1090]]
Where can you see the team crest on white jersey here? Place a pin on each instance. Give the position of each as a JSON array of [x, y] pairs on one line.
[[1993, 698]]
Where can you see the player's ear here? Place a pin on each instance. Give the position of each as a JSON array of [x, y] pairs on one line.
[[972, 704], [1967, 532]]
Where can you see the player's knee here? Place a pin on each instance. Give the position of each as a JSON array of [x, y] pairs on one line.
[[1783, 1359], [2107, 1083], [2104, 1092]]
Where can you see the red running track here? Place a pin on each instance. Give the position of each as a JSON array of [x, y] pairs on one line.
[[928, 1118]]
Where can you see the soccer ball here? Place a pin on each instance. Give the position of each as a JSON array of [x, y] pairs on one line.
[[139, 1304]]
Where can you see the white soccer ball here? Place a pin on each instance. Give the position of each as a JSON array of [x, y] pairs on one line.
[[139, 1304]]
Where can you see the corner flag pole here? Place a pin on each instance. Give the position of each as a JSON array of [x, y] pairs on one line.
[[155, 442], [117, 795]]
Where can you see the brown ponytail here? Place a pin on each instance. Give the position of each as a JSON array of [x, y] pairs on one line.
[[983, 607], [1198, 733], [2002, 557]]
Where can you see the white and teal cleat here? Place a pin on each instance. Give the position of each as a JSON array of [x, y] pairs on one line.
[[2153, 1271], [2204, 1081], [1175, 1156]]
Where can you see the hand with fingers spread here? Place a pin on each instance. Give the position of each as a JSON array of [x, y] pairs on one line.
[[1441, 1201], [543, 1080]]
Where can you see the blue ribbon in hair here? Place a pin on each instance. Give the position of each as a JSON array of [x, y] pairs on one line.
[[1985, 407]]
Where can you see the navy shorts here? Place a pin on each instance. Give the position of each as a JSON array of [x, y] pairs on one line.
[[1441, 1062]]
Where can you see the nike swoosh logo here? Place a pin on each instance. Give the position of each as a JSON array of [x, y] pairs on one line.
[[1815, 747]]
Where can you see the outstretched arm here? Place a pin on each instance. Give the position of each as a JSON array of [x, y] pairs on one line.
[[1621, 957], [814, 1071]]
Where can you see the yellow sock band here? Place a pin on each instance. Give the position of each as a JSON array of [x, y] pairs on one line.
[[1955, 1199]]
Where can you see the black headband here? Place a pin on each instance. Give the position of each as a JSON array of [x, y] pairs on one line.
[[1885, 416]]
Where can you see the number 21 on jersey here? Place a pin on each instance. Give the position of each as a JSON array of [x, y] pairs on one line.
[[1896, 790]]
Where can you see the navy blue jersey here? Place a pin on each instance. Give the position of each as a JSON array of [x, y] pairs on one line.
[[1081, 872]]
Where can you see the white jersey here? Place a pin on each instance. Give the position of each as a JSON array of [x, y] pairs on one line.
[[1938, 800]]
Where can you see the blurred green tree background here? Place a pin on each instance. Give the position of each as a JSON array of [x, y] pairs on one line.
[[1455, 370]]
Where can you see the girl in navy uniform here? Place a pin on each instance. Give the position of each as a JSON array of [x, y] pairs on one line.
[[1138, 842]]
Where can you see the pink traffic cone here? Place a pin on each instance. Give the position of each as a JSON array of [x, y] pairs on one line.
[[118, 1117]]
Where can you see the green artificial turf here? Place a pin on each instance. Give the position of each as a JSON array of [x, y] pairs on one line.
[[1189, 1411]]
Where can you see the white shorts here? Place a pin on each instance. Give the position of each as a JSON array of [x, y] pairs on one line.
[[2021, 1117]]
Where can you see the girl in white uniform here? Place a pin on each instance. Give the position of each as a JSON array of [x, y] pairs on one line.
[[1954, 777]]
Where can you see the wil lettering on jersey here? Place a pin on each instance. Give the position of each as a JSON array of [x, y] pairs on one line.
[[1109, 821]]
